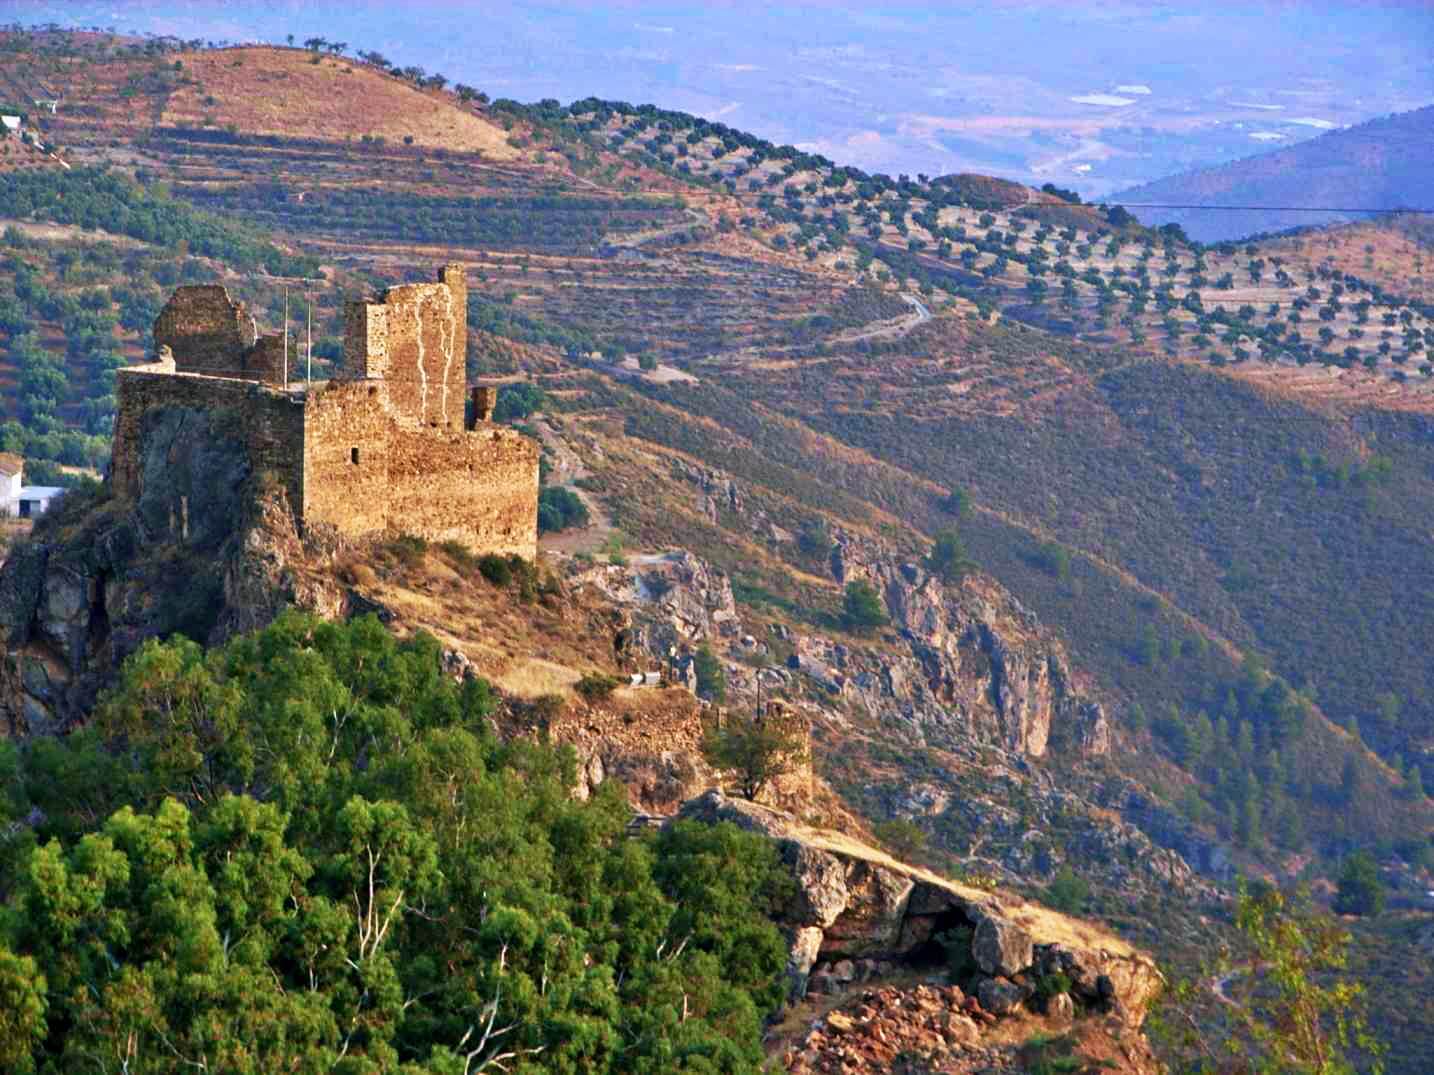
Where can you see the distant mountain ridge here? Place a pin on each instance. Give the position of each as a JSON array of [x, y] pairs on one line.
[[1383, 164]]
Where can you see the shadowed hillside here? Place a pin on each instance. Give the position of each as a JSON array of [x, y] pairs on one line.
[[1382, 164]]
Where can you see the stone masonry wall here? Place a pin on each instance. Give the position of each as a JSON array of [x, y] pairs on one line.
[[369, 470], [270, 424], [415, 339], [208, 332], [479, 487], [346, 483]]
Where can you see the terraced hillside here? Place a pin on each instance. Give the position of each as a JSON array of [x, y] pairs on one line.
[[1070, 269], [1204, 443]]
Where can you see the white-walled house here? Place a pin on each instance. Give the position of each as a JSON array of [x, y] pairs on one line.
[[12, 480], [35, 499], [17, 498]]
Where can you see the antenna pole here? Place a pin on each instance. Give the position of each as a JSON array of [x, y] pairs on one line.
[[309, 348], [286, 337]]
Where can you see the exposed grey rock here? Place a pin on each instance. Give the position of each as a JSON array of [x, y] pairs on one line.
[[821, 883], [887, 913], [1001, 947], [21, 583], [805, 943], [192, 553]]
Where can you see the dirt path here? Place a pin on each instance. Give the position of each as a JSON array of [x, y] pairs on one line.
[[67, 232], [694, 218], [567, 469], [893, 329], [1221, 982]]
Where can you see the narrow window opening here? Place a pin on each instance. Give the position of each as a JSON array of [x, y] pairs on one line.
[[353, 456]]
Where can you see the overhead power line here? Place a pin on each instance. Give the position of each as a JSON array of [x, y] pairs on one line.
[[1263, 208]]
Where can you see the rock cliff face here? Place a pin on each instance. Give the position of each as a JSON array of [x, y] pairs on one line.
[[857, 915], [987, 670], [99, 576], [979, 667]]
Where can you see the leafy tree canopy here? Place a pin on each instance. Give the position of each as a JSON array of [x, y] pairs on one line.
[[307, 851], [1360, 891]]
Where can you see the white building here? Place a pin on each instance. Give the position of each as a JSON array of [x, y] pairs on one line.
[[17, 498], [35, 500], [12, 479]]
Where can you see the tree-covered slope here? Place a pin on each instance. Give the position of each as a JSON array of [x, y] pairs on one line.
[[307, 851]]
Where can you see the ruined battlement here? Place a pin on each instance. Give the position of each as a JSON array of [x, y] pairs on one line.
[[205, 331], [382, 449], [414, 338]]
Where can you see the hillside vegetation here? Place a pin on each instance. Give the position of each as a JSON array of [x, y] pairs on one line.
[[334, 863]]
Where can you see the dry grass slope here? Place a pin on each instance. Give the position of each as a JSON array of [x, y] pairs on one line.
[[284, 92]]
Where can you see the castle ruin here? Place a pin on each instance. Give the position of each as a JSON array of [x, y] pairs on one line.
[[388, 447]]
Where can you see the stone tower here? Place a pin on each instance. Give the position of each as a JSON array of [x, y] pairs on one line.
[[415, 339]]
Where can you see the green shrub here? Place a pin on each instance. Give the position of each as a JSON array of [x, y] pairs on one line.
[[517, 401], [408, 549], [496, 569], [949, 560], [595, 686], [460, 555], [1052, 985], [711, 677], [1067, 891], [862, 608], [560, 509], [903, 838]]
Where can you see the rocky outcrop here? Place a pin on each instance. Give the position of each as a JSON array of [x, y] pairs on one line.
[[941, 1030], [986, 666], [871, 910], [100, 575], [979, 668]]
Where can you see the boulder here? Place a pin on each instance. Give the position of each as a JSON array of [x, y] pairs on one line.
[[1061, 1007], [802, 955], [821, 884], [1001, 947], [960, 1029], [999, 995]]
